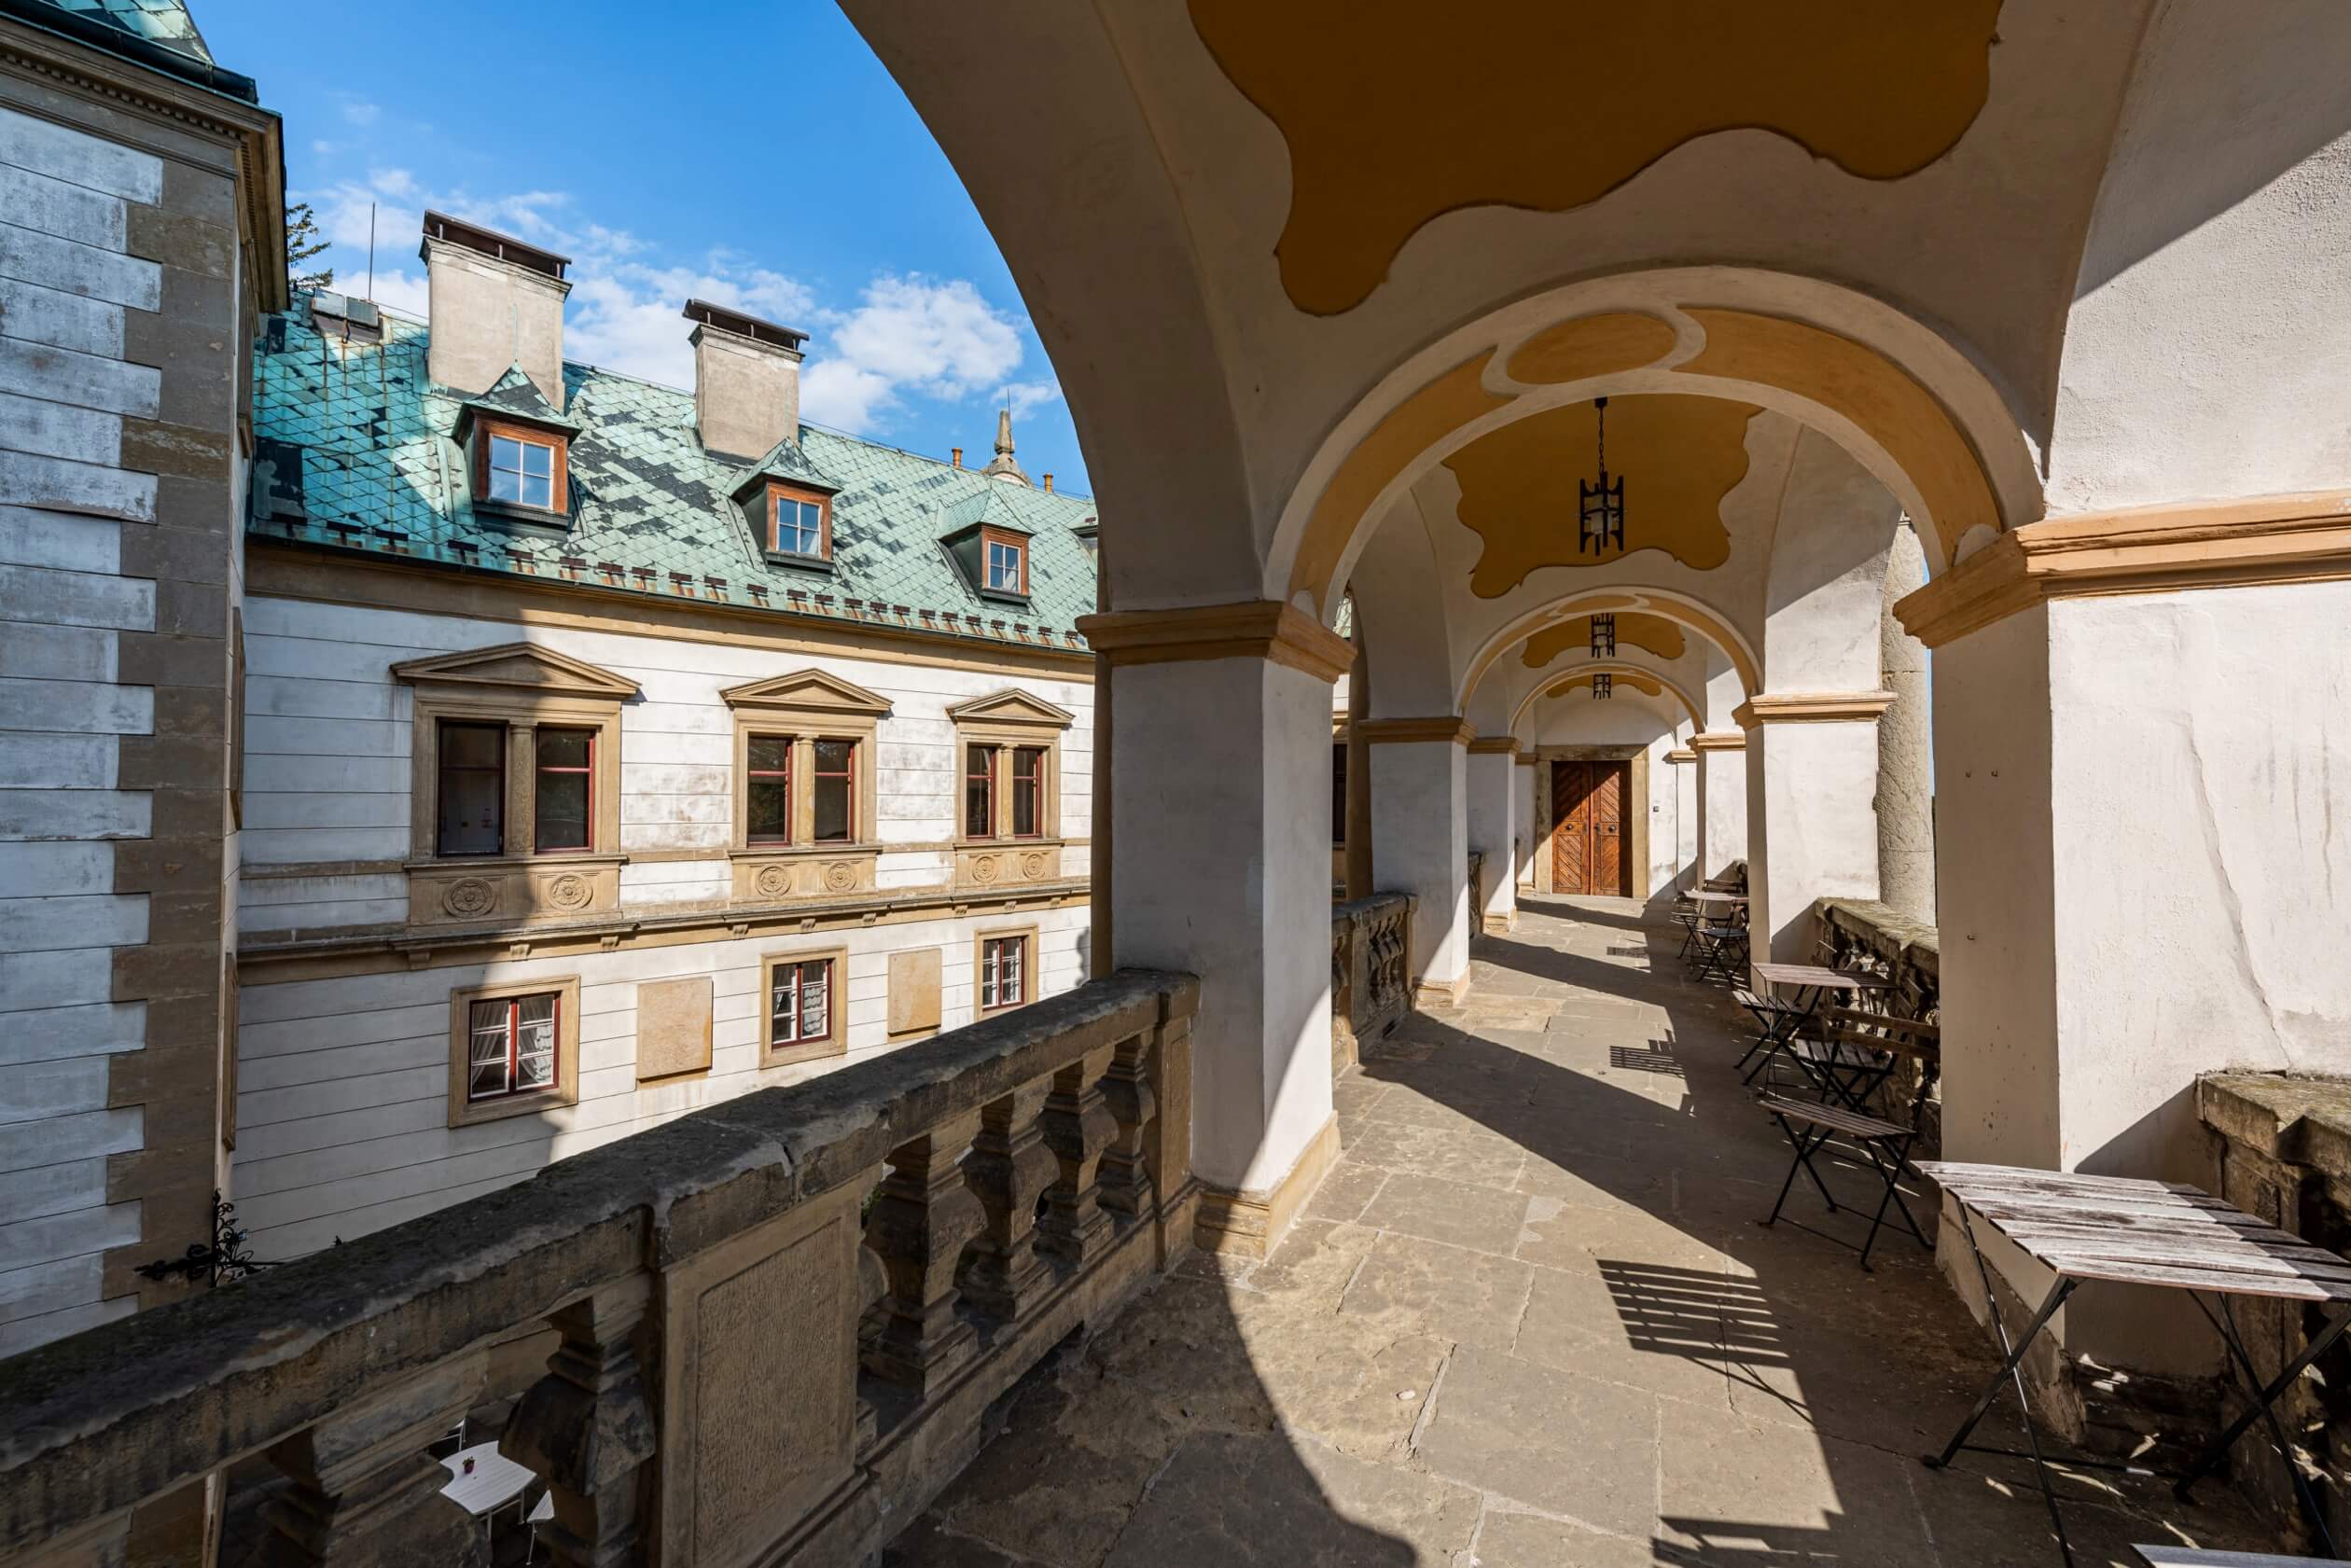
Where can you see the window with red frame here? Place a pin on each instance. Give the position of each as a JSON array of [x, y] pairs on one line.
[[472, 767], [563, 799], [768, 804], [1028, 791], [511, 1046], [835, 778], [800, 1002], [979, 792]]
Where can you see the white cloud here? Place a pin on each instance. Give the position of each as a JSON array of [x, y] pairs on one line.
[[358, 111], [908, 336]]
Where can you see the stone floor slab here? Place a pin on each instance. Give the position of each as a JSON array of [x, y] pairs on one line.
[[1482, 1218], [1526, 1433]]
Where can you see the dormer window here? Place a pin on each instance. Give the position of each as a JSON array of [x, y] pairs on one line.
[[1006, 555], [520, 465], [800, 523], [522, 472]]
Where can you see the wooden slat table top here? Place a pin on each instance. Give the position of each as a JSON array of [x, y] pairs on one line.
[[1818, 976], [1703, 897], [2142, 1232], [2196, 1557]]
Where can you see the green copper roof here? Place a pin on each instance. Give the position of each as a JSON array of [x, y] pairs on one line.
[[354, 451], [158, 22]]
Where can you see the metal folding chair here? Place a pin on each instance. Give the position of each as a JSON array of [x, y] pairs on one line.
[[1886, 1144]]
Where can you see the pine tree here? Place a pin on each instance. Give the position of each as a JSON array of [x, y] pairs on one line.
[[303, 242]]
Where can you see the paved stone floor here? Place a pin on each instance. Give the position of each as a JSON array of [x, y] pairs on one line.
[[1530, 1319]]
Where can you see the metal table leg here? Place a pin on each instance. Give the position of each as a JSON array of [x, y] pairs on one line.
[[2263, 1402], [2011, 1371]]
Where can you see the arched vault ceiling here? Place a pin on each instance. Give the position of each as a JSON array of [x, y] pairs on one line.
[[1550, 104], [1679, 456], [1655, 633]]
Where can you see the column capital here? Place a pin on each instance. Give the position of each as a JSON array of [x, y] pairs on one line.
[[2300, 537], [1684, 754], [1255, 629], [1718, 739], [1446, 727], [1810, 707], [1493, 745], [1523, 759]]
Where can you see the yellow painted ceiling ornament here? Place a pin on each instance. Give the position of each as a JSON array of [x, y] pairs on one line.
[[1879, 88]]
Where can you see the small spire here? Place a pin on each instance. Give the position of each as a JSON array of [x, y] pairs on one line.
[[1004, 466]]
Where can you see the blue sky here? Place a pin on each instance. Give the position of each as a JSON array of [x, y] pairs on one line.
[[759, 155]]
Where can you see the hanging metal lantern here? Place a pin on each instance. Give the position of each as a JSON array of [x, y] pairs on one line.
[[1604, 636], [1603, 688], [1601, 506]]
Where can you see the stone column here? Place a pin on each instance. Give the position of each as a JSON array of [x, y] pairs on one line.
[[1721, 799], [1421, 827], [1491, 781], [1526, 826], [1906, 786], [1221, 787], [1811, 776], [1684, 762], [1357, 826], [2142, 796]]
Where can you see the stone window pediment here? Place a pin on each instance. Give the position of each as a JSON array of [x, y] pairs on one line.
[[806, 802], [517, 666], [1011, 707], [809, 691], [1007, 814]]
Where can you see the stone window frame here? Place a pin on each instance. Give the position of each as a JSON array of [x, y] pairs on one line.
[[780, 490], [1004, 721], [808, 705], [1032, 962], [522, 686], [565, 1090], [836, 1039]]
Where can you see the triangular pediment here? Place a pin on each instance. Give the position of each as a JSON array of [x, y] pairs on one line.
[[1012, 706], [517, 666], [811, 690]]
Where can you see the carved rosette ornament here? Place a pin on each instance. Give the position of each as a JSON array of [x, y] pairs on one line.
[[1033, 866], [469, 895], [569, 892], [774, 881], [839, 877], [984, 868]]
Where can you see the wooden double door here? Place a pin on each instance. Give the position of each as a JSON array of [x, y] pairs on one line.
[[1586, 834]]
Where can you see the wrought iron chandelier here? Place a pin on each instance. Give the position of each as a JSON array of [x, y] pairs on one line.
[[1603, 688], [1601, 506], [1603, 635]]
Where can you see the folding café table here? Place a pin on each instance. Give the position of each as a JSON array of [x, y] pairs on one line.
[[2164, 1234], [1811, 982]]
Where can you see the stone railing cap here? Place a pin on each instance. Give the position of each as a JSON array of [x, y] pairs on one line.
[[2299, 1120]]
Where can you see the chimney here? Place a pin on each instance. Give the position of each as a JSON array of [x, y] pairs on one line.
[[1048, 484], [496, 301], [746, 381], [954, 457]]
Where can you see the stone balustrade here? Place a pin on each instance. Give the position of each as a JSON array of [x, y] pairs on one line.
[[1879, 941], [775, 1323], [1370, 987]]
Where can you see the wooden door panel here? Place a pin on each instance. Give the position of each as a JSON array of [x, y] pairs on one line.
[[1569, 786], [1606, 860]]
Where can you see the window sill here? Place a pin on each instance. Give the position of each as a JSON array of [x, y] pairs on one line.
[[516, 862], [514, 514], [803, 1051], [536, 1101], [823, 563], [1003, 596], [803, 852]]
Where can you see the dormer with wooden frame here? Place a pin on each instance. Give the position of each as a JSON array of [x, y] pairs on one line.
[[789, 507], [518, 454], [1009, 789], [514, 786], [992, 555], [805, 800]]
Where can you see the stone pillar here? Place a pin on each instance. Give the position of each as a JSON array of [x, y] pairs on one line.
[[1811, 776], [1905, 786], [1525, 826], [1493, 795], [1359, 878], [1721, 799], [1221, 787], [1420, 823], [1684, 763], [2142, 794]]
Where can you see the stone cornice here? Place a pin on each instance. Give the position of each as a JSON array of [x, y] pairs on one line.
[[1377, 731], [1493, 745], [1257, 629], [1525, 759], [1810, 707], [1681, 754], [2300, 537], [1718, 739]]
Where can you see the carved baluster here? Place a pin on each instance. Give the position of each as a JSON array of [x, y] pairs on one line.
[[587, 1428], [1126, 1166], [921, 1218], [1079, 1126], [1011, 1168], [365, 1494]]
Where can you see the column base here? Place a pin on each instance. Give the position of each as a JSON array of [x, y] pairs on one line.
[[1501, 926], [1252, 1223], [1441, 993]]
